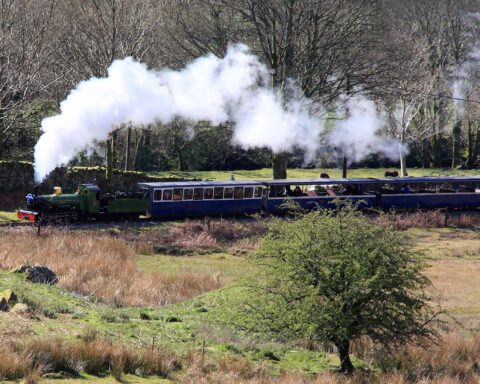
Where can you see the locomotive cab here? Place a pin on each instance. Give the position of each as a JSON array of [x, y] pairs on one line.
[[90, 194]]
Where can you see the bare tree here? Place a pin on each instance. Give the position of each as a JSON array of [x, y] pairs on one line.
[[444, 28], [407, 89], [325, 46], [197, 27], [25, 49], [96, 32]]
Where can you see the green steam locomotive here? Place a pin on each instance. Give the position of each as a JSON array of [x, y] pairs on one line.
[[87, 203]]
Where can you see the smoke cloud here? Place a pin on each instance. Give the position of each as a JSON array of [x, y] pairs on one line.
[[232, 89], [357, 136]]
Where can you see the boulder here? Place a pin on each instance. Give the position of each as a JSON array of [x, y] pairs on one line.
[[3, 305], [20, 268], [41, 275], [36, 274], [9, 295]]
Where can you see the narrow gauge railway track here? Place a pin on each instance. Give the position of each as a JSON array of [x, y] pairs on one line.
[[87, 224], [149, 222], [118, 224]]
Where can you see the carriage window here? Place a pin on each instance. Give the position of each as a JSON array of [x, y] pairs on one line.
[[248, 194], [197, 194], [218, 193], [238, 193], [187, 194], [177, 194], [167, 194], [228, 193], [466, 187], [208, 194], [157, 195], [258, 192]]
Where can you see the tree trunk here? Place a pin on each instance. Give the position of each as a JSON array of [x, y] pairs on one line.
[[279, 166], [109, 158], [2, 133], [2, 145], [436, 150], [344, 167], [403, 160], [346, 365], [127, 148], [438, 119], [114, 149], [138, 140], [476, 147], [457, 130], [442, 121], [425, 153], [181, 159], [470, 145]]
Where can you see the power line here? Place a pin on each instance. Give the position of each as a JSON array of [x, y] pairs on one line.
[[440, 96]]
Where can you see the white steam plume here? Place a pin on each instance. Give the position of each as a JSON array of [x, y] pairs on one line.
[[357, 135], [230, 89]]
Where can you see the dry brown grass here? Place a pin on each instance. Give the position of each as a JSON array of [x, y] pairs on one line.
[[453, 359], [100, 266], [230, 376], [31, 359], [203, 235], [225, 369], [429, 219]]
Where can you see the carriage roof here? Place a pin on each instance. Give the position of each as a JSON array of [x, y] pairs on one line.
[[322, 181]]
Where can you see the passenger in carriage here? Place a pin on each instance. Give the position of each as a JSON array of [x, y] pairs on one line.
[[287, 191], [349, 189], [297, 191], [405, 189]]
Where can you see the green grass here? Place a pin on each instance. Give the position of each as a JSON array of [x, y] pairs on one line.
[[180, 328], [226, 266], [266, 173]]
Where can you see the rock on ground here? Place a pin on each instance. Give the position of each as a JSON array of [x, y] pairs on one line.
[[37, 274], [9, 295], [3, 305]]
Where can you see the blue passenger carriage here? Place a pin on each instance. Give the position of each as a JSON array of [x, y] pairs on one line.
[[312, 193], [461, 192], [203, 198], [230, 198]]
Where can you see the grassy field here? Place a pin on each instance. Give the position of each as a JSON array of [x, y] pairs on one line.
[[110, 288], [266, 173]]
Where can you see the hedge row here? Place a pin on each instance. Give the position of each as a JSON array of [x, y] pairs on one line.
[[18, 176]]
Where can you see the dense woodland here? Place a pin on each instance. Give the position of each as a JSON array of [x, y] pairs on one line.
[[415, 58]]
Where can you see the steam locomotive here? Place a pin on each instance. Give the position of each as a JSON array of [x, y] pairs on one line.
[[230, 198], [88, 202]]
